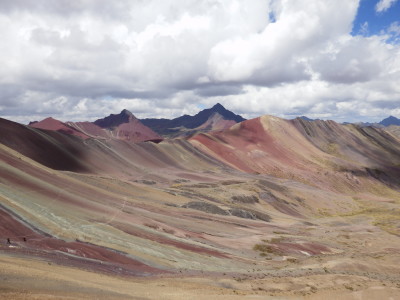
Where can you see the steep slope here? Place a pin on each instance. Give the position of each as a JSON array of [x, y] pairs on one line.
[[367, 146], [50, 148], [90, 129], [97, 156], [393, 129], [175, 126], [321, 153], [266, 145]]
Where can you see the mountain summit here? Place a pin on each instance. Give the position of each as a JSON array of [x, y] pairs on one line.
[[218, 108], [126, 126], [115, 120]]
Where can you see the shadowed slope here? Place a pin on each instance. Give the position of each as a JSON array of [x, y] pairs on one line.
[[361, 144], [373, 151], [113, 156], [50, 148]]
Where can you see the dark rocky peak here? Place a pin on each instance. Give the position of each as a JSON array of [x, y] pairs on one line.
[[226, 114], [126, 112], [218, 107], [115, 120], [390, 121], [202, 117], [306, 118]]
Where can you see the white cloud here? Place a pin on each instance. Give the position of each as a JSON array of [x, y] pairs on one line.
[[79, 60], [384, 5], [394, 29]]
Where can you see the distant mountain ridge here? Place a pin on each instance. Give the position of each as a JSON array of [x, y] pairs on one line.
[[125, 126], [122, 126], [390, 121], [171, 126]]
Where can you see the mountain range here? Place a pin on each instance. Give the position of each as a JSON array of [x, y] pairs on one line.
[[127, 127], [124, 126], [389, 121], [207, 119], [115, 208]]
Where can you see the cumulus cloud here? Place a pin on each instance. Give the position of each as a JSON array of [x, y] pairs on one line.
[[384, 5], [80, 60]]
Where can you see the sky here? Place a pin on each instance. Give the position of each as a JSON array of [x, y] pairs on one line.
[[85, 59]]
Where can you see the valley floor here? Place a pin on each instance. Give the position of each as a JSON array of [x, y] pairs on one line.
[[27, 278], [363, 265]]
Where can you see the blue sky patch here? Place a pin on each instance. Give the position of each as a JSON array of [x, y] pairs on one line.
[[370, 22]]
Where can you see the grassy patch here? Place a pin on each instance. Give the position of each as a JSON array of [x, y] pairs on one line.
[[276, 240], [266, 249], [384, 217]]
